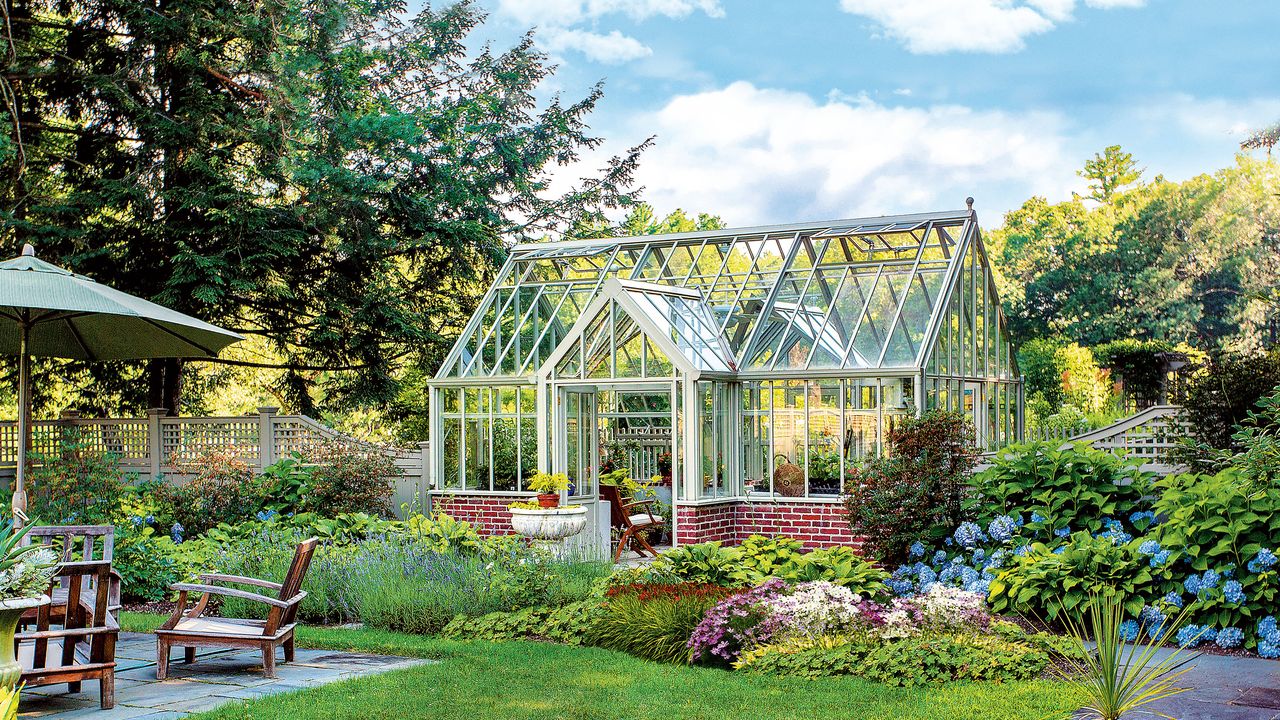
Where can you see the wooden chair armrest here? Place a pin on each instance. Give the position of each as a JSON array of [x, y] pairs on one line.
[[73, 632], [242, 594], [219, 577], [637, 503]]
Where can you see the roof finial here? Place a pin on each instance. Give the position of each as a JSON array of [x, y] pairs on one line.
[[28, 250], [968, 203]]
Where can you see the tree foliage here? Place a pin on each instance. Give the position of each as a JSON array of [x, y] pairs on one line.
[[324, 175]]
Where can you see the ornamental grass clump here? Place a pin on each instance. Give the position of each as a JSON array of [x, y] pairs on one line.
[[654, 621]]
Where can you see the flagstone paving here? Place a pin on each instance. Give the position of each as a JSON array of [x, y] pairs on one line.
[[216, 678]]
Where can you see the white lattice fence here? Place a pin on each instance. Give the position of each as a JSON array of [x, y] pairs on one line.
[[158, 446], [1150, 435]]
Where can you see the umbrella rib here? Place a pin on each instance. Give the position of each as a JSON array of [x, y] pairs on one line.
[[188, 341], [79, 339]]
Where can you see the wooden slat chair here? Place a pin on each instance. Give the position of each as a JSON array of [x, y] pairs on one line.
[[191, 629], [82, 543], [624, 517], [84, 646]]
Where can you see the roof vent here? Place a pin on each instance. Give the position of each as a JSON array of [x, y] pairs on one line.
[[28, 250]]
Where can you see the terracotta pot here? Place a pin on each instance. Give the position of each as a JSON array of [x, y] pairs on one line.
[[11, 612], [549, 500]]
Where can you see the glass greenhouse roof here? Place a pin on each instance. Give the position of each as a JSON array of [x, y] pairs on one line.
[[846, 294]]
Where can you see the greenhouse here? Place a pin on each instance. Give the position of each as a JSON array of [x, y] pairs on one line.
[[749, 369]]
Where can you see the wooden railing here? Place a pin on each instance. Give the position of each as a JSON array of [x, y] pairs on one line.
[[158, 446]]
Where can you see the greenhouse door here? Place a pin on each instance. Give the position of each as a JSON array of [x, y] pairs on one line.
[[975, 408], [576, 435]]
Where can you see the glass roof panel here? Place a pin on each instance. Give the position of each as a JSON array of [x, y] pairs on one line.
[[849, 293]]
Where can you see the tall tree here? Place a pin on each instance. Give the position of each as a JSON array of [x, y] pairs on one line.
[[1109, 171], [320, 174]]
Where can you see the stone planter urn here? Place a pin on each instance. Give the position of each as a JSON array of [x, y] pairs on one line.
[[10, 613], [549, 524]]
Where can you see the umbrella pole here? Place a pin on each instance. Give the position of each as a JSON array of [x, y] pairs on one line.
[[24, 427]]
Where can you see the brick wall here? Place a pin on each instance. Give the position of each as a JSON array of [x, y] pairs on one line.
[[488, 513], [815, 524], [702, 523]]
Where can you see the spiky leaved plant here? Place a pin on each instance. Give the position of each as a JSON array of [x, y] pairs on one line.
[[1119, 677]]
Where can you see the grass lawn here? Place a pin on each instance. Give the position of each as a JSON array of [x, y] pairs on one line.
[[491, 681]]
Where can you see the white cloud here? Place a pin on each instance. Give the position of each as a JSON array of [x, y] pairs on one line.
[[610, 49], [761, 155], [570, 12], [992, 26]]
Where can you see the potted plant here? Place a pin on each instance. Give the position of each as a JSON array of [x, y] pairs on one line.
[[543, 518], [548, 488], [25, 572]]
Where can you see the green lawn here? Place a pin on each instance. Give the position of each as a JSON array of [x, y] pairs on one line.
[[491, 681]]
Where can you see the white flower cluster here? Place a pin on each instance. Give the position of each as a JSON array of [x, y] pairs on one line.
[[950, 608], [816, 608]]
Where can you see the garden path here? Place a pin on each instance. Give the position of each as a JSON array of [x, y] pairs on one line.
[[216, 678], [1226, 688]]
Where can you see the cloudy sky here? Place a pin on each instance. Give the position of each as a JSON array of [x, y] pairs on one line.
[[788, 110]]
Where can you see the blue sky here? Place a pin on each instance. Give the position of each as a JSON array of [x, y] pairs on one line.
[[785, 111]]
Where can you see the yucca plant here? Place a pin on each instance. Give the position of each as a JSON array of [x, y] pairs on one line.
[[1118, 677], [9, 702]]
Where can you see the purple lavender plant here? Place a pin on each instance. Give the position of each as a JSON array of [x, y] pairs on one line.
[[737, 623]]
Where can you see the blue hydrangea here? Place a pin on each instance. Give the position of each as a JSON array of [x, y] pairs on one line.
[[1037, 517], [901, 587], [1129, 630], [1230, 637], [969, 576], [979, 555], [1002, 528], [1021, 550], [267, 515], [1136, 519], [1209, 634], [1192, 584], [176, 532], [1267, 625], [927, 578], [1272, 637], [1159, 559], [1151, 615], [939, 557], [1154, 629], [1062, 532], [996, 559], [1149, 547], [1174, 598], [949, 573], [1268, 650], [1059, 550], [136, 520], [1190, 636], [1233, 592], [1209, 579], [968, 535], [917, 549], [1117, 537], [1264, 560]]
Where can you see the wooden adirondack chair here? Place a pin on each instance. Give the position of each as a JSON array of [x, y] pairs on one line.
[[191, 629], [84, 647], [80, 542], [624, 516]]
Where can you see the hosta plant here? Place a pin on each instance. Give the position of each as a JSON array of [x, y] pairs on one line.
[[1046, 581]]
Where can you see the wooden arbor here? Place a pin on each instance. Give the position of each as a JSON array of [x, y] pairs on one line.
[[191, 629]]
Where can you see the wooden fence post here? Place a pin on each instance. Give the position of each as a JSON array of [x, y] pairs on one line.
[[155, 442], [266, 436]]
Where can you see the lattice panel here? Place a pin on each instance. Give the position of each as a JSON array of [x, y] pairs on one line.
[[183, 441]]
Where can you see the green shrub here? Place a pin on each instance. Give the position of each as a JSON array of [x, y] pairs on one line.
[[149, 562], [222, 489], [655, 628], [919, 660], [916, 491], [1219, 397], [1255, 446], [350, 478], [759, 558], [1076, 488], [569, 624], [77, 485], [1044, 583], [1219, 522]]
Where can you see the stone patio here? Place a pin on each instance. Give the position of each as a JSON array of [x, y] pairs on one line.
[[216, 678]]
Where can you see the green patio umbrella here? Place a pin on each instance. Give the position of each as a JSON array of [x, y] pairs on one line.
[[46, 311]]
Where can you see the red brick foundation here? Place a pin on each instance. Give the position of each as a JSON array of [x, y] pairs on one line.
[[488, 513], [817, 524]]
